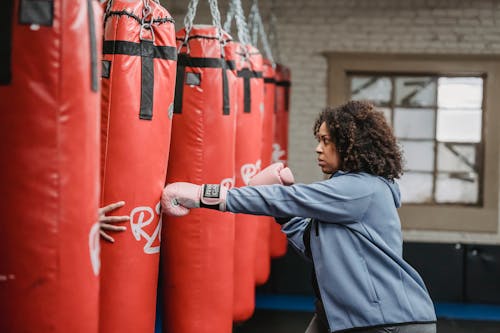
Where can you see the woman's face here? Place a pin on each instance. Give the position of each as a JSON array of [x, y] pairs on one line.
[[328, 157]]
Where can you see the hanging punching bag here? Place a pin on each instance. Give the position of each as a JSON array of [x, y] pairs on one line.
[[280, 146], [249, 100], [263, 254], [197, 250], [268, 126], [49, 139], [138, 80]]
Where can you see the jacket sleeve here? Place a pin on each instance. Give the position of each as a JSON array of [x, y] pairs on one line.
[[294, 230], [342, 199]]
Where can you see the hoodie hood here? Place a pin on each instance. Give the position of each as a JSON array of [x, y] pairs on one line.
[[396, 194]]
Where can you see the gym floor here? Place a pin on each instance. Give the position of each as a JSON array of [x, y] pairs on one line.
[[272, 321]]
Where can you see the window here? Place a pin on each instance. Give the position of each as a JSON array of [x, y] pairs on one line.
[[445, 111], [437, 120]]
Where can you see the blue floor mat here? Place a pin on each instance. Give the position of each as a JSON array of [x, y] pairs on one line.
[[443, 310]]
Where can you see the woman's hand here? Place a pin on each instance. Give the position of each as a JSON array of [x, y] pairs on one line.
[[106, 222]]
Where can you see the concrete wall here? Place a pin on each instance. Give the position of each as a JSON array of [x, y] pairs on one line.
[[307, 28]]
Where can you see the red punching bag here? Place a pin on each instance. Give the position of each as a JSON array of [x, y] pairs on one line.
[[280, 146], [249, 101], [138, 80], [49, 139], [263, 254], [268, 128], [197, 249]]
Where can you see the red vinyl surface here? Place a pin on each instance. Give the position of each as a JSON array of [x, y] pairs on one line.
[[134, 164], [49, 130], [197, 250]]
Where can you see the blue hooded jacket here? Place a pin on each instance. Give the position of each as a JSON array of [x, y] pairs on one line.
[[355, 243]]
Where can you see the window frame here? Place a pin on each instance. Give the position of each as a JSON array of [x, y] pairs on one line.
[[446, 216], [434, 108]]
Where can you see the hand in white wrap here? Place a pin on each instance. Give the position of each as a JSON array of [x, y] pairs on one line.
[[274, 174], [178, 198]]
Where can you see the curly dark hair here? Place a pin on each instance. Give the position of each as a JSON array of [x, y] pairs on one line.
[[364, 140]]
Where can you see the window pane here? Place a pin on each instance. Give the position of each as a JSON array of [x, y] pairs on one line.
[[415, 91], [457, 188], [416, 187], [459, 125], [456, 157], [419, 155], [414, 123], [387, 114], [375, 89], [460, 92]]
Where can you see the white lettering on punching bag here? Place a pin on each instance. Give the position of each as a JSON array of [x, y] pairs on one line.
[[249, 170], [227, 183], [278, 153], [95, 248], [141, 217]]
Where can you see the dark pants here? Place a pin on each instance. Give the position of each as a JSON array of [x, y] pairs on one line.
[[317, 326]]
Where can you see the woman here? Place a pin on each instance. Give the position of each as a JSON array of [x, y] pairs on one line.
[[346, 225]]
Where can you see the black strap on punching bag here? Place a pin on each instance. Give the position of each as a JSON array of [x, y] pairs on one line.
[[147, 79], [30, 12], [247, 74], [94, 83], [147, 51], [286, 85], [190, 78], [93, 47], [6, 15], [36, 12], [271, 80]]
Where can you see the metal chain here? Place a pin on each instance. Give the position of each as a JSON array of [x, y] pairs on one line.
[[254, 9], [189, 18], [241, 24], [273, 37], [236, 11], [263, 39], [253, 25], [249, 23], [145, 22], [216, 21], [146, 11], [108, 6], [229, 18], [214, 10], [188, 23], [258, 29]]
